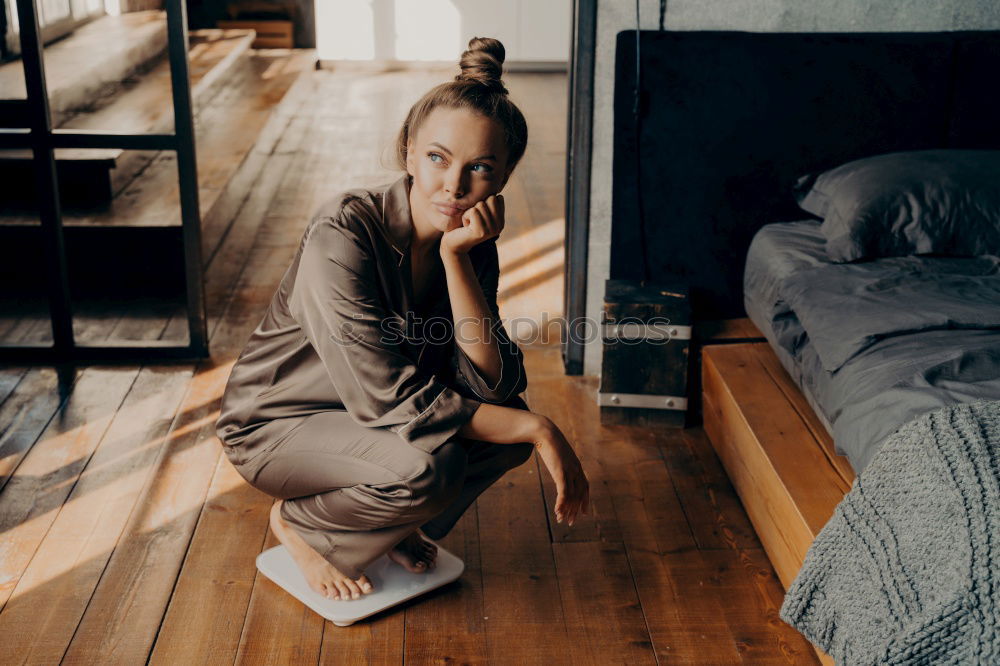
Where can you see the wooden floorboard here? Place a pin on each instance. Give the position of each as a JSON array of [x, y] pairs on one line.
[[129, 538]]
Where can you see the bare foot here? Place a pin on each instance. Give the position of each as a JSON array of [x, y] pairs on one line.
[[414, 554], [322, 576]]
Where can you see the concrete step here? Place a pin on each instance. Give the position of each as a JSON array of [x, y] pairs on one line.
[[141, 104], [92, 62], [134, 245], [83, 174]]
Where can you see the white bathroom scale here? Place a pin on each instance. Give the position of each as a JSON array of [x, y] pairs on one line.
[[393, 584]]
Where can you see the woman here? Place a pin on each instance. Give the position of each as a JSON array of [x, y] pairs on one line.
[[366, 428]]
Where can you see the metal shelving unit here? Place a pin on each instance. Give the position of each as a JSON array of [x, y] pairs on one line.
[[31, 127]]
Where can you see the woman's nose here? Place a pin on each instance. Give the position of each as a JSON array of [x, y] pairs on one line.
[[454, 184]]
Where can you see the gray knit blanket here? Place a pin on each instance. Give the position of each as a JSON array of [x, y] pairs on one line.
[[907, 571]]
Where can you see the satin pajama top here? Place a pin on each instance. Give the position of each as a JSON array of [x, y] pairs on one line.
[[337, 336]]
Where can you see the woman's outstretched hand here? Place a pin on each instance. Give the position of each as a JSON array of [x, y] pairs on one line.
[[572, 487], [480, 223]]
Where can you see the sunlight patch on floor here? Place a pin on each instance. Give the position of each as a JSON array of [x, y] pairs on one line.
[[530, 293]]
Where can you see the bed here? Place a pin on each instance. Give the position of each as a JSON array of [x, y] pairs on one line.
[[725, 128], [886, 314], [892, 373]]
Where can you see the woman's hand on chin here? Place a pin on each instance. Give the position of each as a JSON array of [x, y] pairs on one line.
[[480, 223]]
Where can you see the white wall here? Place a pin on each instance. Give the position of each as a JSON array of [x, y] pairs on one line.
[[535, 31], [614, 16]]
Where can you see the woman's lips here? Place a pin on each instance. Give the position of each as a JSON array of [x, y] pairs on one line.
[[450, 211]]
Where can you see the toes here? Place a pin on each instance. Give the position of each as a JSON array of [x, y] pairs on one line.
[[366, 585], [344, 588], [415, 558], [354, 588]]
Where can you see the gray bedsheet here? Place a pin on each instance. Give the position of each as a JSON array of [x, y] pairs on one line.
[[897, 347]]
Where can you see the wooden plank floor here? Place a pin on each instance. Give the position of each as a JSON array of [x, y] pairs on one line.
[[127, 537]]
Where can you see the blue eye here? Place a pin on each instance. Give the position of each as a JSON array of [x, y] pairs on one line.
[[487, 167], [433, 155]]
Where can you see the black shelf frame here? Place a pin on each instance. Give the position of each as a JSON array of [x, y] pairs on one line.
[[29, 125], [580, 111]]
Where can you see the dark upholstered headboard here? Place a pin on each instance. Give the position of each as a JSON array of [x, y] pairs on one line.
[[729, 120]]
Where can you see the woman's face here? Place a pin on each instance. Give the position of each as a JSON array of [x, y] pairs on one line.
[[457, 158]]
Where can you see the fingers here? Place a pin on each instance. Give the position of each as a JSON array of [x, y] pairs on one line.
[[477, 220], [483, 220], [490, 214], [495, 205], [572, 486], [572, 502], [565, 510]]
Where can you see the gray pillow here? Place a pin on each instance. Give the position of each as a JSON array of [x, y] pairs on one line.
[[921, 202]]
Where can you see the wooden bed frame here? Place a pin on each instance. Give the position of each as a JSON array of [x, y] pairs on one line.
[[777, 453]]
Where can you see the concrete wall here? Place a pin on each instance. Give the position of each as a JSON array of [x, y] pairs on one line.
[[614, 16]]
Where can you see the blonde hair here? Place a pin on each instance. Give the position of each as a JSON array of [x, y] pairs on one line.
[[478, 87]]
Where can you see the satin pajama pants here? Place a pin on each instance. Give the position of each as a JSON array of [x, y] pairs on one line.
[[354, 492]]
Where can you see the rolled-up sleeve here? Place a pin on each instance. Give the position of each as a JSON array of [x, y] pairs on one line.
[[337, 302], [513, 379]]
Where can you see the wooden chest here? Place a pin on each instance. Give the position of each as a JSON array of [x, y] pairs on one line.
[[646, 333]]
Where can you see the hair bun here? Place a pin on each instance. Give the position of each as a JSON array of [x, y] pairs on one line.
[[483, 63]]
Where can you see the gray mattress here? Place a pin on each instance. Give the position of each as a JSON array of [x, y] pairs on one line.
[[873, 345]]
